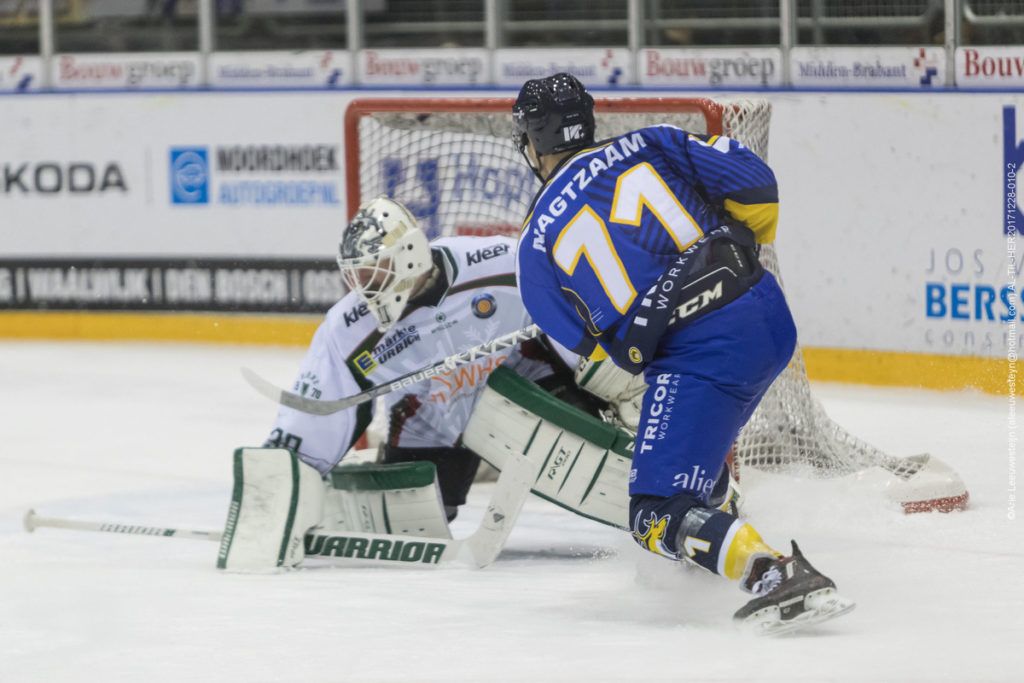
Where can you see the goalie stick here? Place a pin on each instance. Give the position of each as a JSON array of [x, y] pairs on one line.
[[317, 407], [479, 549]]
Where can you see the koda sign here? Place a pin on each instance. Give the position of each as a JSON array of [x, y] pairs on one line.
[[57, 177]]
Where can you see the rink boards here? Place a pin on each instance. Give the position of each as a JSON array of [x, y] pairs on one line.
[[213, 217]]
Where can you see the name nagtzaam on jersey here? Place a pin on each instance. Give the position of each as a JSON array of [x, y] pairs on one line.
[[601, 160]]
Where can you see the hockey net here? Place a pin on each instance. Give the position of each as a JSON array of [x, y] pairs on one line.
[[453, 162]]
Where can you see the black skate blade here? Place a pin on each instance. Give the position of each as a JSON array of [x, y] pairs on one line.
[[819, 606]]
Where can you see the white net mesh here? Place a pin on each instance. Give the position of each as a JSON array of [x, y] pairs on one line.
[[460, 174]]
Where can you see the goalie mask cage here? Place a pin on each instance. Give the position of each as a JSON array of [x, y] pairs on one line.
[[453, 162]]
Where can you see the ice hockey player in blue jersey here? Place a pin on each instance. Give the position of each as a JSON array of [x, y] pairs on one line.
[[644, 247]]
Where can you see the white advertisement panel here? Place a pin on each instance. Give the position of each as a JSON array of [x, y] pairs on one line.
[[171, 202], [442, 66], [895, 208], [299, 69], [716, 68], [603, 67], [20, 74], [126, 70], [229, 174], [894, 213], [991, 67], [867, 67]]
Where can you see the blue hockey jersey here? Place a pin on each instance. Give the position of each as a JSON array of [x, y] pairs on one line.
[[612, 218]]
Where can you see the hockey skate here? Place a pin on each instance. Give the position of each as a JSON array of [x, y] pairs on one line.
[[791, 594]]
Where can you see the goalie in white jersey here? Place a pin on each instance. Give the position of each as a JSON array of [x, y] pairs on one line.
[[411, 304]]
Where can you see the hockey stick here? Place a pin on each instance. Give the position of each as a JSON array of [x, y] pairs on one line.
[[479, 549], [33, 521], [316, 407], [484, 545]]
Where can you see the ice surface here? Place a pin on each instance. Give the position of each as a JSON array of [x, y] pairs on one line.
[[143, 433]]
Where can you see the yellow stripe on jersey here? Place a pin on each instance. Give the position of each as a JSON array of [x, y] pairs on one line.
[[526, 224], [583, 311], [585, 150], [746, 545], [763, 219]]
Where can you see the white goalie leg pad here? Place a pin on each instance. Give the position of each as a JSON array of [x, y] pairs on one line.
[[397, 498], [276, 498], [583, 463]]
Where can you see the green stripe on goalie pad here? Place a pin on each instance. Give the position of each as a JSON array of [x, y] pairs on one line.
[[275, 500], [582, 464], [525, 393], [374, 477]]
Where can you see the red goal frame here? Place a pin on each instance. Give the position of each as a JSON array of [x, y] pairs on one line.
[[357, 109]]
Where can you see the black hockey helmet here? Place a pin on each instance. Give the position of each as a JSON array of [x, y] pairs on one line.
[[555, 113]]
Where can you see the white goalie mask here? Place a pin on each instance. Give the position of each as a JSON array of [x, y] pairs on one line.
[[382, 254]]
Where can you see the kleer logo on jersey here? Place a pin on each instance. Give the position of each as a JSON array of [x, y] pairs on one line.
[[485, 254], [1013, 159], [357, 312], [365, 362], [652, 536], [484, 305]]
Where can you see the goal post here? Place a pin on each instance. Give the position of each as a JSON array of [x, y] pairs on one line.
[[452, 161], [479, 116]]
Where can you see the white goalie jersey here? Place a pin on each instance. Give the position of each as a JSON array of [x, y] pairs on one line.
[[474, 300]]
